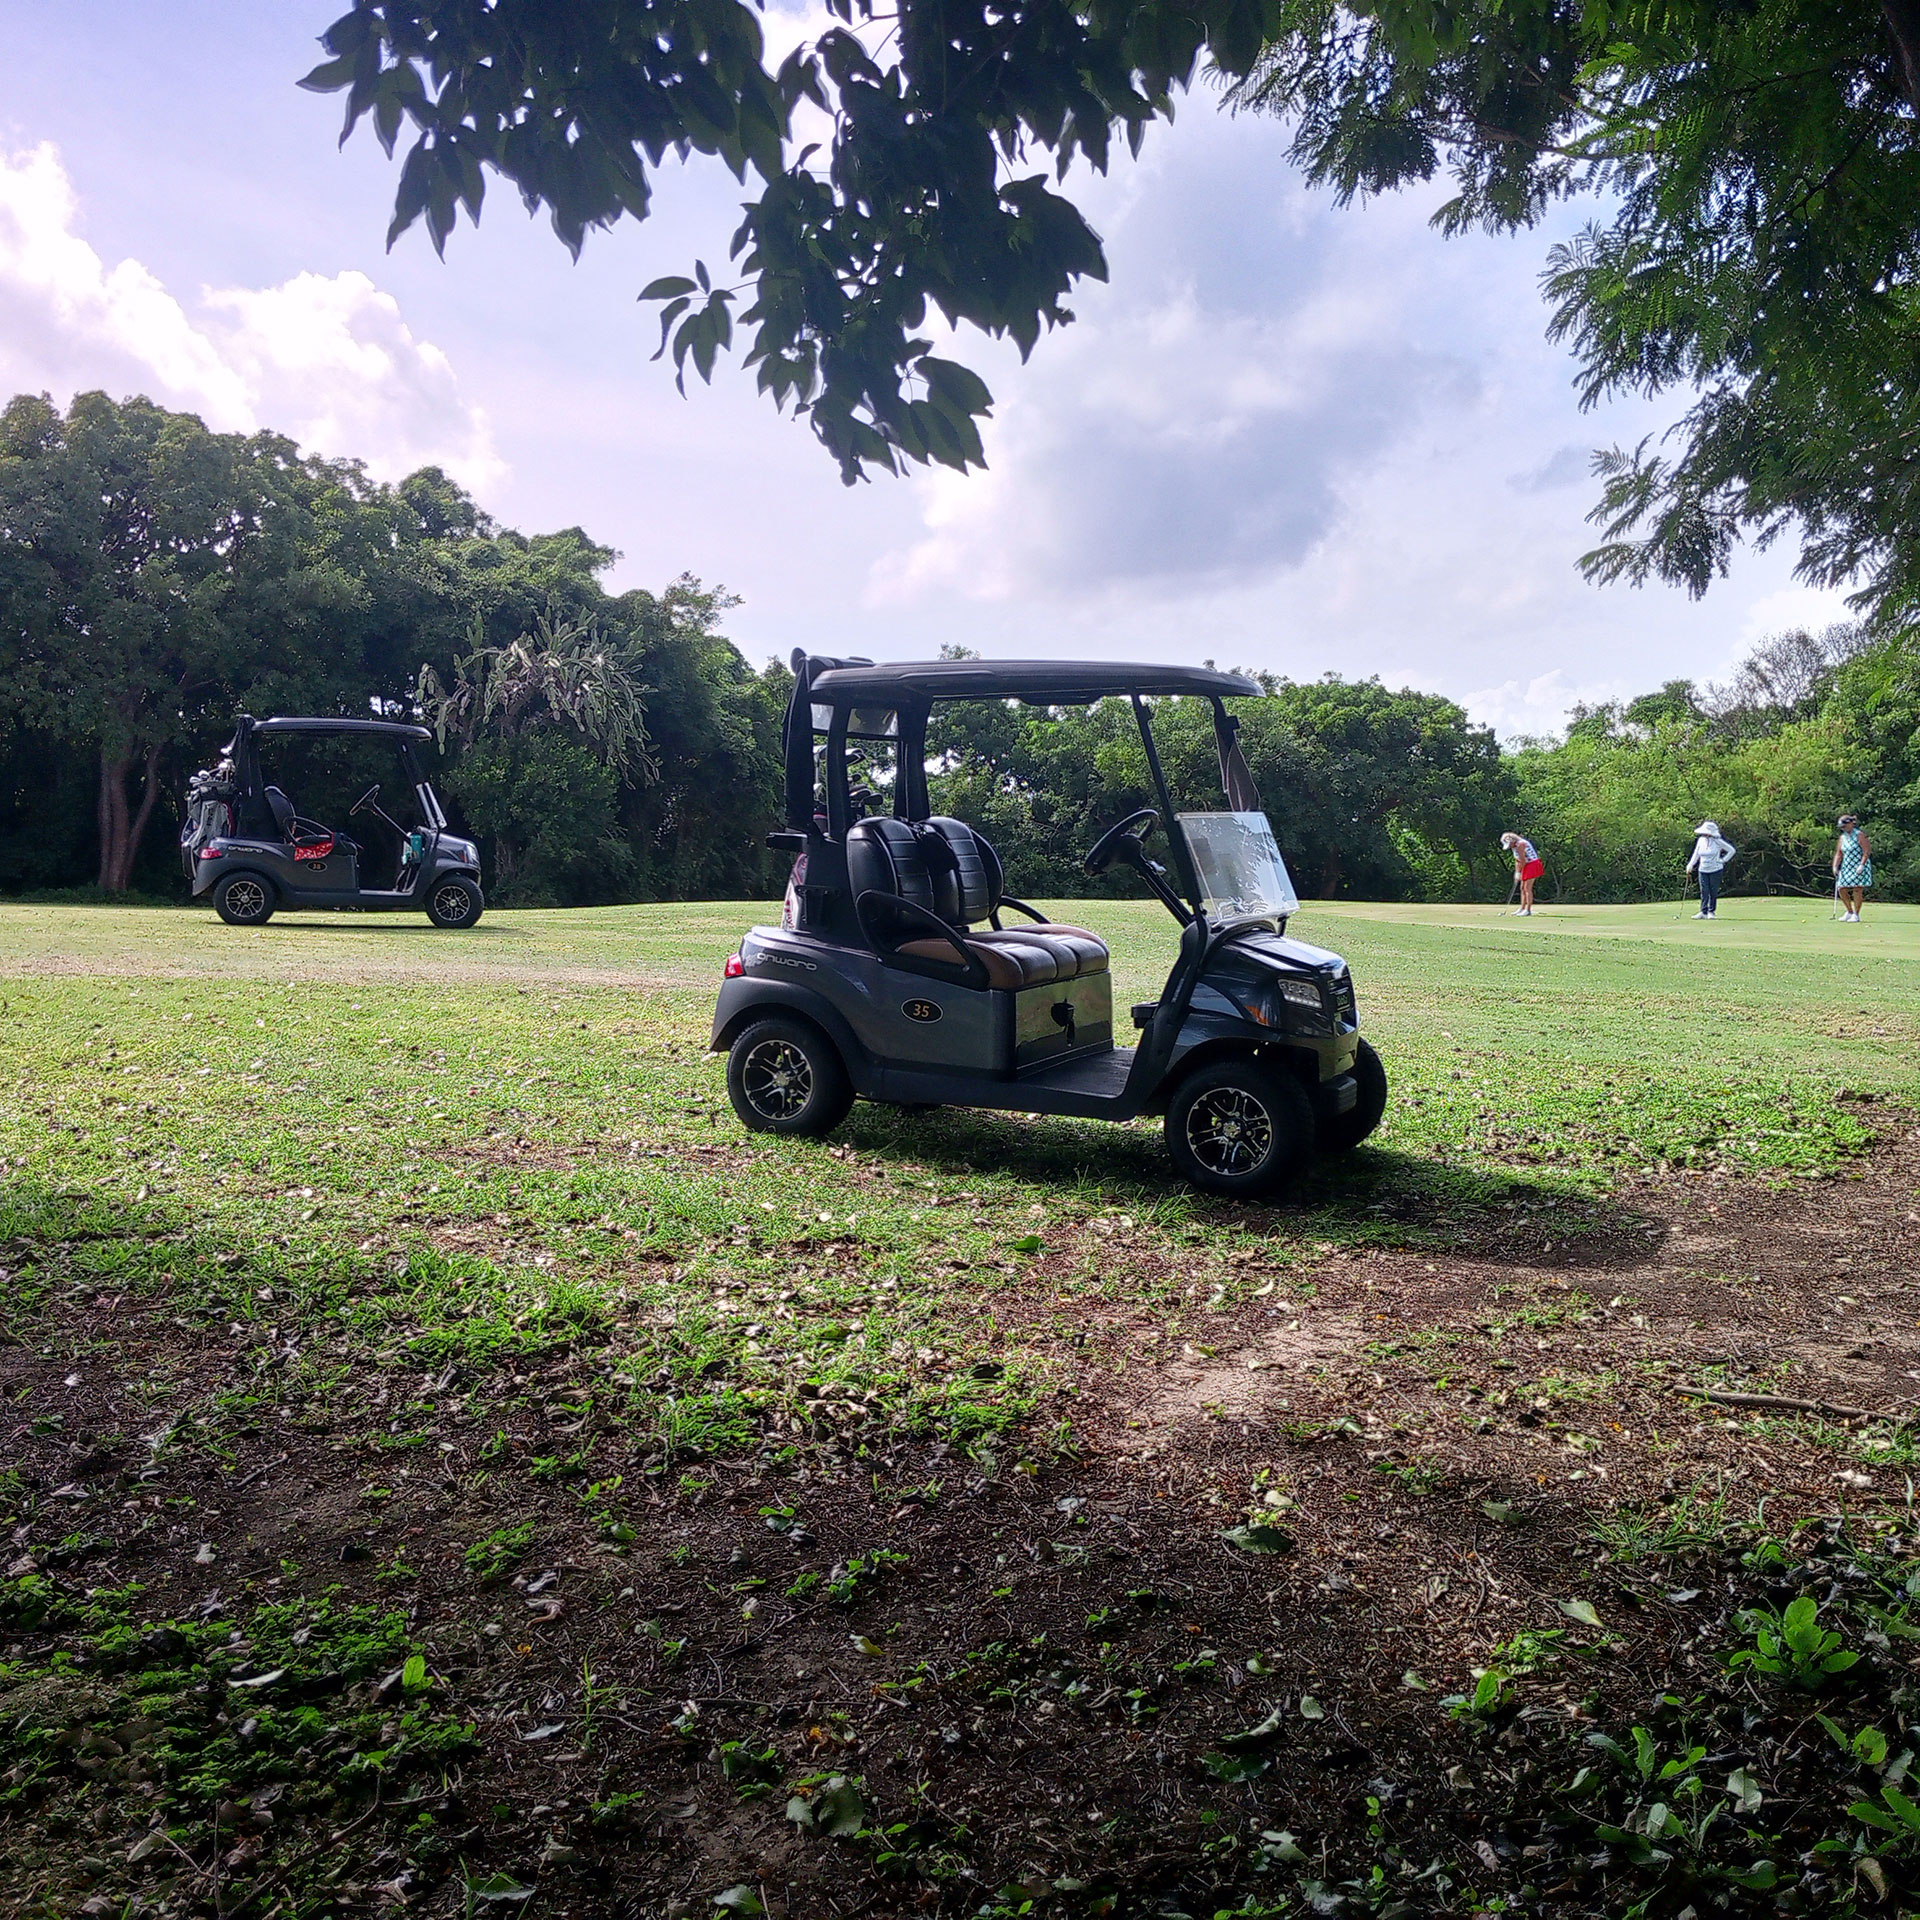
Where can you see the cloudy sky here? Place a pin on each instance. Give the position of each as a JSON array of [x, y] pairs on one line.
[[1284, 436]]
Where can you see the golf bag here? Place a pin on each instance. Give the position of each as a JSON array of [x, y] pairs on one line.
[[210, 796]]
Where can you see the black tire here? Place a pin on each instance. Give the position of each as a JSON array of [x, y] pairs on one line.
[[454, 901], [245, 900], [1239, 1128], [786, 1076], [1342, 1132]]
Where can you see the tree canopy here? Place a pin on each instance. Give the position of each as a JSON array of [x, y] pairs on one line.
[[1759, 164], [156, 578]]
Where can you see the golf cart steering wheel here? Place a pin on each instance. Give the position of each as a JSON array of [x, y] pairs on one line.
[[1134, 827], [366, 800]]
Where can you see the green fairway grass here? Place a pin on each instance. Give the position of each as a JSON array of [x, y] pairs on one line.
[[464, 1223], [457, 1140]]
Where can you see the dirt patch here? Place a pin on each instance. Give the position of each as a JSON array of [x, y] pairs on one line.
[[1041, 1669], [1252, 1382]]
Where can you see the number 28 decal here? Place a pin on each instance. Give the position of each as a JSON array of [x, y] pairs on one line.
[[926, 1010]]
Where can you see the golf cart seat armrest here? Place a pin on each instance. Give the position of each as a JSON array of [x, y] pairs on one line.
[[787, 840], [885, 919], [1020, 906]]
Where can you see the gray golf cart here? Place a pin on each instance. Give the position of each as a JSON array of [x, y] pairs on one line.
[[247, 848], [892, 977]]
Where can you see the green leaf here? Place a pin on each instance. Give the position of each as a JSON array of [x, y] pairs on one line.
[[1027, 1243], [498, 1886], [1904, 1807], [330, 75], [1236, 1767], [413, 1676], [1503, 1513], [1581, 1610], [1268, 1729], [1258, 1538], [1745, 1790], [1865, 1810], [741, 1899], [836, 1810], [667, 287], [1310, 1708]]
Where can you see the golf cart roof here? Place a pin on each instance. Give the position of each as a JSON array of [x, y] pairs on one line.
[[314, 723], [1041, 682]]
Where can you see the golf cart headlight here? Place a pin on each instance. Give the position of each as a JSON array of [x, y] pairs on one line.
[[1299, 1004], [1287, 1004]]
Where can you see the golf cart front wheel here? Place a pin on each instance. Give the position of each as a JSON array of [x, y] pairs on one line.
[[1239, 1128], [786, 1076], [1341, 1132], [454, 902], [244, 900]]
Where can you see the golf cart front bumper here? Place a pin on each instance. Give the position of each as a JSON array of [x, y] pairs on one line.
[[1334, 1097]]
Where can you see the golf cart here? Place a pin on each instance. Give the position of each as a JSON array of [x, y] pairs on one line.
[[246, 845], [892, 978]]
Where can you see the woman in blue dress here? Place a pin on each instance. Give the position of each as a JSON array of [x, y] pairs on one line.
[[1852, 866]]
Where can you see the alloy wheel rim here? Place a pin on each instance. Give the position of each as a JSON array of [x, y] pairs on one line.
[[246, 899], [1229, 1131], [451, 903], [777, 1079]]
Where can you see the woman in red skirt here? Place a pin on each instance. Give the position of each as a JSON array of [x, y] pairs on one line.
[[1527, 866]]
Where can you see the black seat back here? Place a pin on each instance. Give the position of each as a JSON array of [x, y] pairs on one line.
[[966, 871], [282, 812], [886, 856], [940, 864]]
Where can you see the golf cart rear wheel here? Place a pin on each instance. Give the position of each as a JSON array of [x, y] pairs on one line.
[[786, 1076], [244, 900], [1239, 1128], [1342, 1132], [454, 902]]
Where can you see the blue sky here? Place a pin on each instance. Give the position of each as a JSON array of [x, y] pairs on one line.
[[1283, 436]]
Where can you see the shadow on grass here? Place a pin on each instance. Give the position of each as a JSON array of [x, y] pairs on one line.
[[1374, 1196]]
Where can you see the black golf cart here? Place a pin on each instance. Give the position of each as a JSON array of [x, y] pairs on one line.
[[248, 847], [892, 977]]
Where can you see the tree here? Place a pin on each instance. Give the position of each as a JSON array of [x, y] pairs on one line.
[[547, 722], [1762, 165], [1372, 792], [122, 531], [930, 190]]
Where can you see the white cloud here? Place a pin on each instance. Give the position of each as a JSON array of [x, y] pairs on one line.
[[1520, 708], [1172, 446], [326, 360], [1790, 607]]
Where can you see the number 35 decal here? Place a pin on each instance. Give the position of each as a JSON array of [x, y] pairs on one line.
[[921, 1010]]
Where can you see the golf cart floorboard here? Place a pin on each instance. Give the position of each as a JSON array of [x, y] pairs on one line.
[[1088, 1087]]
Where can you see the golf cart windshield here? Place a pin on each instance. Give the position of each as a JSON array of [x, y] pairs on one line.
[[1241, 873]]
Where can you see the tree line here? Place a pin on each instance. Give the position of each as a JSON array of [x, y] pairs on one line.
[[156, 579]]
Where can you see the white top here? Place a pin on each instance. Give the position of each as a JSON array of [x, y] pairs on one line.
[[1711, 853]]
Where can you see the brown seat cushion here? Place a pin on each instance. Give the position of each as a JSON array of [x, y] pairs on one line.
[[1076, 951], [1033, 957]]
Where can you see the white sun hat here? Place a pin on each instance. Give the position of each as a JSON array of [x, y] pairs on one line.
[[1707, 826]]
